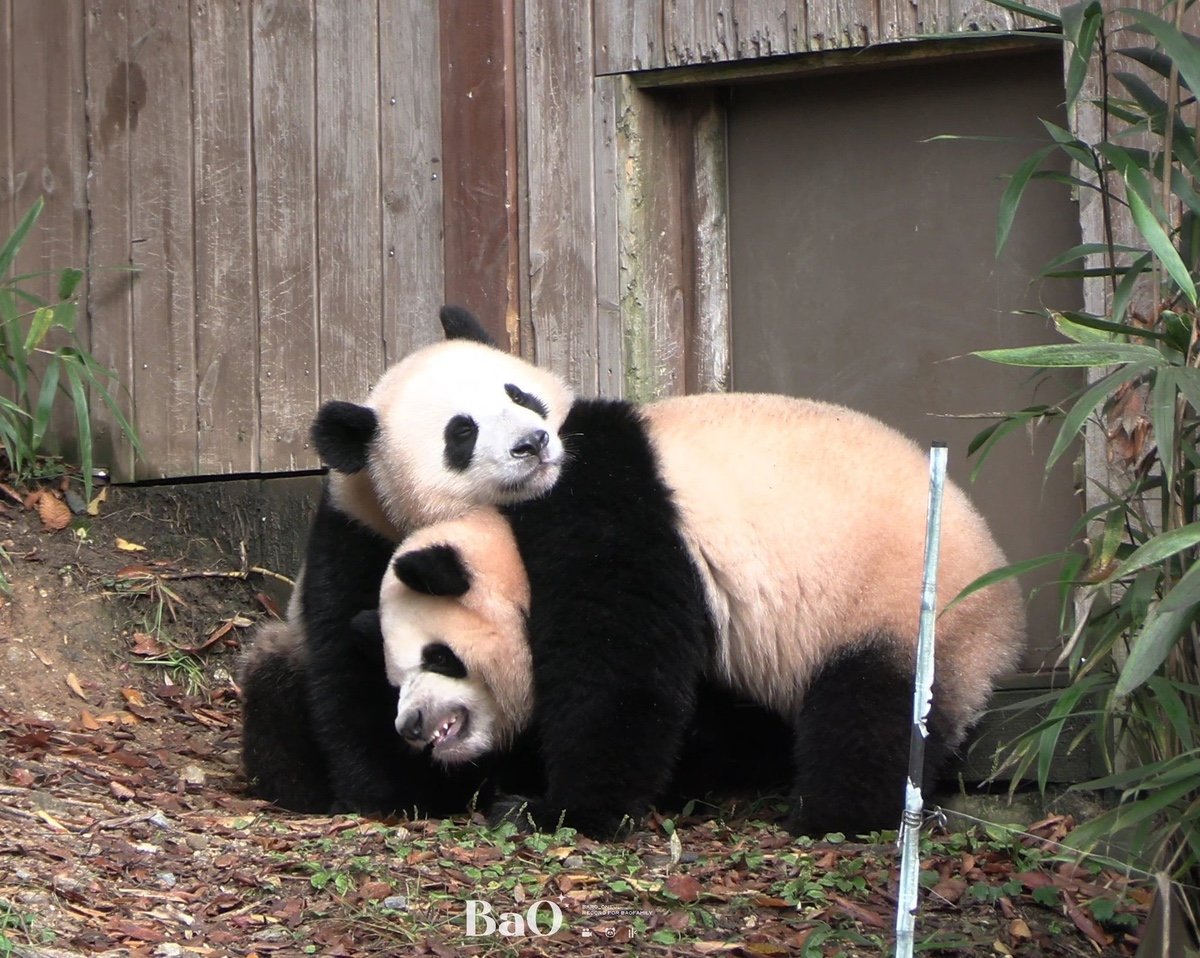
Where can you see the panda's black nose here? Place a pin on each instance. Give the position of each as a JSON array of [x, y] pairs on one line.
[[413, 728], [531, 445]]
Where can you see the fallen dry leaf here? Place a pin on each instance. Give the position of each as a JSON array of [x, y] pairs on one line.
[[134, 696], [1019, 929], [683, 887], [74, 686], [126, 546], [54, 513], [146, 644], [93, 507], [88, 722]]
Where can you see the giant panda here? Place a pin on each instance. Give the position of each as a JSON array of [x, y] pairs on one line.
[[766, 545], [452, 425]]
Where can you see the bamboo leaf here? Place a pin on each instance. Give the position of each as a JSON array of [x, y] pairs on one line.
[[83, 425], [1175, 45], [1003, 574], [1073, 319], [45, 406], [1011, 197], [1185, 593], [12, 246], [1124, 294], [68, 282], [1161, 244], [1033, 13], [1162, 418], [1082, 35], [1073, 355], [1150, 649], [43, 319], [1160, 547]]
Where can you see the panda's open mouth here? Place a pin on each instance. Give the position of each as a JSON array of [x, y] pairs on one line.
[[449, 727]]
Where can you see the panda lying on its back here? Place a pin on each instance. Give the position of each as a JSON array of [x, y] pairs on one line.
[[770, 545], [453, 425]]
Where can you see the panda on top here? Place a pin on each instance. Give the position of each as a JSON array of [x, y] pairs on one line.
[[766, 547], [451, 426]]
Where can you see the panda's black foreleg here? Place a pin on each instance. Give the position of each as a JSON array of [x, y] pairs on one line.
[[351, 705], [852, 743], [613, 706]]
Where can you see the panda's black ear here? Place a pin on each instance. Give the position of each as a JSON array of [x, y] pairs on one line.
[[459, 323], [434, 570], [342, 433]]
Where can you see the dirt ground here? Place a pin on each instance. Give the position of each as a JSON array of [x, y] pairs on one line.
[[125, 830]]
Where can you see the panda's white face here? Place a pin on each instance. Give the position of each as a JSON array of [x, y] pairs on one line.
[[462, 424], [452, 612]]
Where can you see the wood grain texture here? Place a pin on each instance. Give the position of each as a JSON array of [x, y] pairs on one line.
[[115, 96], [226, 300], [610, 364], [630, 36], [411, 151], [7, 185], [348, 207], [708, 344], [650, 245], [285, 229], [164, 316], [561, 230], [479, 165], [49, 161]]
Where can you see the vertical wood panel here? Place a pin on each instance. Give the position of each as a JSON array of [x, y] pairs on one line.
[[285, 229], [7, 186], [561, 218], [630, 36], [348, 217], [410, 146], [610, 363], [226, 314], [708, 345], [164, 345], [699, 31], [49, 161], [651, 246], [116, 92], [479, 167]]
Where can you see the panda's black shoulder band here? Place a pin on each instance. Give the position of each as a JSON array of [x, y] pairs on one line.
[[434, 570], [342, 433], [460, 323]]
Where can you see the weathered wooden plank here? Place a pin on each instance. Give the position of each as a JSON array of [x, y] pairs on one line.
[[630, 35], [285, 229], [226, 303], [699, 31], [561, 231], [610, 364], [479, 163], [653, 267], [116, 93], [164, 318], [49, 159], [708, 366], [763, 29], [7, 186], [348, 207], [410, 145]]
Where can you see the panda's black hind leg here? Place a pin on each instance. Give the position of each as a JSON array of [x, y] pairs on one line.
[[852, 743]]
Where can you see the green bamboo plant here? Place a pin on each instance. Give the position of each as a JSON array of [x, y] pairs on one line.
[[1130, 582], [41, 377]]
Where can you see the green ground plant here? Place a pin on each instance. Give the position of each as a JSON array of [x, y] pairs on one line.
[[38, 377], [1129, 584]]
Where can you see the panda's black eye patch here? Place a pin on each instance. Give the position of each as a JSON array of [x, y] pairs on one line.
[[437, 657], [459, 437], [526, 400]]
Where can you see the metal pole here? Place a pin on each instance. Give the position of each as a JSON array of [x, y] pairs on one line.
[[914, 801]]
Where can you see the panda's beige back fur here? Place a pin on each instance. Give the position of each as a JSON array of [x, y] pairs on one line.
[[808, 522]]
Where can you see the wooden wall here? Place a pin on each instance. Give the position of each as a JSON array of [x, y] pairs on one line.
[[255, 187], [275, 196]]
